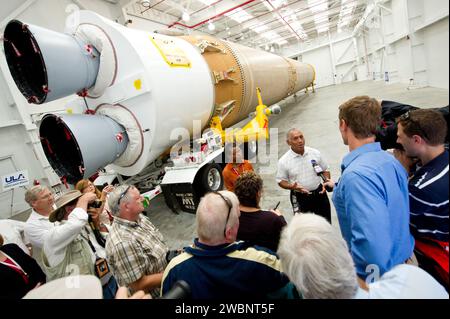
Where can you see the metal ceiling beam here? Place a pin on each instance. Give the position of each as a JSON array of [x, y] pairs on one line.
[[285, 6], [285, 37], [274, 20], [213, 17], [151, 7], [279, 14]]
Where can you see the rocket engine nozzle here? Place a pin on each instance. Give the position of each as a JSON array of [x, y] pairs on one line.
[[77, 146], [47, 65]]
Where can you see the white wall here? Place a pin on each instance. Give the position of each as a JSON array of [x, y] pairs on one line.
[[437, 53], [345, 57], [405, 39], [333, 60], [321, 60], [411, 43], [20, 146]]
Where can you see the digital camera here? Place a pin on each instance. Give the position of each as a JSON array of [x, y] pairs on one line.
[[95, 204]]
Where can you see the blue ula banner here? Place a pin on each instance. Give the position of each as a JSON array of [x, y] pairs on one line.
[[14, 180]]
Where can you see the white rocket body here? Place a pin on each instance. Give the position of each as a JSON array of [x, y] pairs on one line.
[[150, 85]]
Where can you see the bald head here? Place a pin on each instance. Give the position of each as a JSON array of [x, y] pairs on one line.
[[292, 130], [212, 214], [296, 140]]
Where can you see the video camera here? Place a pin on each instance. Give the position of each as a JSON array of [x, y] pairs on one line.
[[390, 111]]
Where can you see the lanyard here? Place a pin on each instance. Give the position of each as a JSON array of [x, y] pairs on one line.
[[16, 267]]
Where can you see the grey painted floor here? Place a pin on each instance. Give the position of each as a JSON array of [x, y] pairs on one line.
[[316, 115]]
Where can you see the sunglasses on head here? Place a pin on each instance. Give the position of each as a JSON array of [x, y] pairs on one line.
[[230, 205], [407, 117], [122, 195]]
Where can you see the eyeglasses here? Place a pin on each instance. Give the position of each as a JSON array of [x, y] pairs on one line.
[[230, 205], [123, 194], [46, 196], [407, 117]]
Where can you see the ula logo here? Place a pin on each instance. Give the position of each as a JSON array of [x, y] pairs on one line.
[[14, 179]]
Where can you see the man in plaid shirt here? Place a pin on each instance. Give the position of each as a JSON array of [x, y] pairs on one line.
[[135, 248]]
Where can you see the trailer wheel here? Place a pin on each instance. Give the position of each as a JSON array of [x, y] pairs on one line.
[[250, 150], [209, 179]]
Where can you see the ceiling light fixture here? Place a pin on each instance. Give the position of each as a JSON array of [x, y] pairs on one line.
[[186, 17], [211, 26], [145, 3]]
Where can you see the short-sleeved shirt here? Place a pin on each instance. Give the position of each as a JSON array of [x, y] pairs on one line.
[[429, 199], [135, 249], [231, 173], [293, 167], [261, 228]]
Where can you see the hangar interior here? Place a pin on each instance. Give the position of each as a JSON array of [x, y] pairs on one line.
[[395, 50]]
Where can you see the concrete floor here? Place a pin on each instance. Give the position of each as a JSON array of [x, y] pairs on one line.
[[316, 115]]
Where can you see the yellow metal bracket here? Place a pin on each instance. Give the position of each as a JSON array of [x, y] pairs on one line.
[[254, 130]]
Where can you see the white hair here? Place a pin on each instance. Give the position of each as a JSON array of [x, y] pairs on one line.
[[212, 212], [114, 196], [32, 194], [316, 259]]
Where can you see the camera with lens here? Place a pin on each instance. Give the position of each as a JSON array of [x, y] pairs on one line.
[[387, 132], [95, 204]]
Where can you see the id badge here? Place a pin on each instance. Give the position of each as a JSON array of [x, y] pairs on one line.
[[101, 267]]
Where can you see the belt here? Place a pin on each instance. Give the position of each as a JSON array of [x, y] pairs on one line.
[[313, 192], [317, 190]]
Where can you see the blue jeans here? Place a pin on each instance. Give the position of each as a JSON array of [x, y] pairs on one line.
[[110, 289]]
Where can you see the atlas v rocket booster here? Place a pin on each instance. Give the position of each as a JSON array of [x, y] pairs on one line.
[[140, 85]]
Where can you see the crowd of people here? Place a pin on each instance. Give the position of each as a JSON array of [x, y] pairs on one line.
[[392, 209]]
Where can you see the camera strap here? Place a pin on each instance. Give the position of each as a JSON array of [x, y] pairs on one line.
[[90, 243], [101, 266]]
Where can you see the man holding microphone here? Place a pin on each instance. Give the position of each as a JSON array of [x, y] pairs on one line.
[[301, 170]]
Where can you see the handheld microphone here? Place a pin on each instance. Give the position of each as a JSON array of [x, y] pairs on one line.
[[319, 172]]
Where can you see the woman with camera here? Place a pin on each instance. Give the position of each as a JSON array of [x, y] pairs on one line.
[[101, 217]]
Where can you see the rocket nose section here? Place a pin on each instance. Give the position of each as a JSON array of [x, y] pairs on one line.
[[77, 146]]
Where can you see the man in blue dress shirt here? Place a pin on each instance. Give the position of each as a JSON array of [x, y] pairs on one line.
[[371, 197]]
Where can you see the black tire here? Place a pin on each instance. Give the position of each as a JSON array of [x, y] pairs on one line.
[[209, 179], [250, 150]]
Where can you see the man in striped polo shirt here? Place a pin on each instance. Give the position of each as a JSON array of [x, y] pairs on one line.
[[422, 135]]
